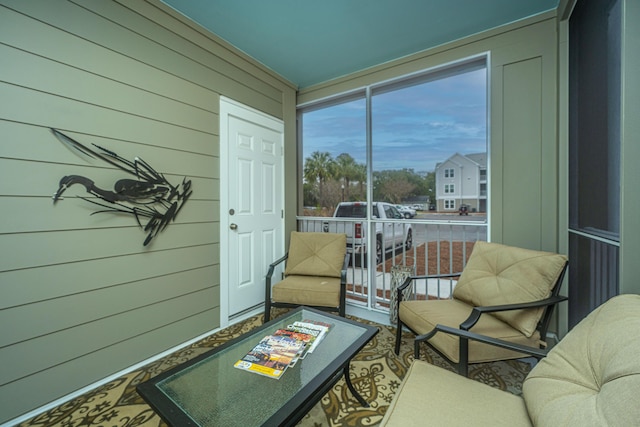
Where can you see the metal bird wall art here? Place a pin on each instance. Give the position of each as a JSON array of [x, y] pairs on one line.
[[150, 197]]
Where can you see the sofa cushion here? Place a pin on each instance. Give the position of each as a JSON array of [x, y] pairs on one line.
[[308, 290], [497, 274], [316, 254], [592, 377], [432, 396], [423, 316]]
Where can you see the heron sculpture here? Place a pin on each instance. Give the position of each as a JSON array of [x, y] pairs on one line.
[[150, 197]]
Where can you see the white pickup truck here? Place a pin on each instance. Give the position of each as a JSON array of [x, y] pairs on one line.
[[389, 235]]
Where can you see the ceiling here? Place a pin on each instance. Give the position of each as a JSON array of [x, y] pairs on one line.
[[312, 41]]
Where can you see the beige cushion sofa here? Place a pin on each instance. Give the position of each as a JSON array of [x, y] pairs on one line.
[[590, 378]]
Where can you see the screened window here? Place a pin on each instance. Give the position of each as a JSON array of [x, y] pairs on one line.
[[416, 124]]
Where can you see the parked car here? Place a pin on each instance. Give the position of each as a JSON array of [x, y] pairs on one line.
[[406, 211], [389, 235]]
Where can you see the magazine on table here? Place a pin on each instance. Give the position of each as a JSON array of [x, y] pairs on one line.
[[307, 339], [275, 353], [271, 356], [315, 328]]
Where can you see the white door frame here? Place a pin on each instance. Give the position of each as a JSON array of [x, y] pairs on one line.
[[229, 107]]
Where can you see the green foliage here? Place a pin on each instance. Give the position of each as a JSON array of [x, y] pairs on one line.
[[327, 181]]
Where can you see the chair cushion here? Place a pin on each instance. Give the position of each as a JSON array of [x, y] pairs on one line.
[[423, 316], [316, 254], [432, 396], [308, 290], [497, 274], [592, 377]]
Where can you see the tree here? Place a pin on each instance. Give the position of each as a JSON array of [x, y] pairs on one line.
[[360, 176], [317, 168], [345, 170], [395, 186]]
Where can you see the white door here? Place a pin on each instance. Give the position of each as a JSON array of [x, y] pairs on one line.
[[251, 204]]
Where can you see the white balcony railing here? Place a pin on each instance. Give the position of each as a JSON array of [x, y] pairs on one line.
[[437, 247]]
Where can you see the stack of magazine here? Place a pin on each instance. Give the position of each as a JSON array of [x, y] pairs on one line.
[[282, 349]]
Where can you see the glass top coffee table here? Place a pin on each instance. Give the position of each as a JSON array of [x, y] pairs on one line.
[[209, 391]]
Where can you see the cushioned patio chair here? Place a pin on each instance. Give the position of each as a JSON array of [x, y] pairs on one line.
[[504, 292], [590, 378], [315, 274]]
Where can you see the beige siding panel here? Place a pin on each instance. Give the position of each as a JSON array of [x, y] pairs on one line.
[[56, 247], [522, 153], [42, 179], [50, 316], [58, 45], [38, 108], [33, 285], [38, 144], [17, 397], [57, 79], [47, 150], [31, 214], [85, 24], [24, 357]]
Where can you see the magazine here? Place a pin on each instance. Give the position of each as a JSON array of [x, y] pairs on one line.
[[307, 339], [317, 329], [271, 356]]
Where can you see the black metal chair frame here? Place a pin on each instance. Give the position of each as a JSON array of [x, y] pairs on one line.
[[268, 303], [463, 364]]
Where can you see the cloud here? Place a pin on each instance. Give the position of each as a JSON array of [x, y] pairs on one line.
[[414, 127]]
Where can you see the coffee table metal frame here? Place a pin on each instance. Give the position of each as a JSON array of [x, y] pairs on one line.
[[296, 407]]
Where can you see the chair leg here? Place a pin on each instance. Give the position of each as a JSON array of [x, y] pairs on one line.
[[463, 363], [398, 336], [267, 312]]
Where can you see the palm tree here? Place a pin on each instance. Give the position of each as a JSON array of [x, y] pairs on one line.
[[317, 168], [345, 170], [360, 175]]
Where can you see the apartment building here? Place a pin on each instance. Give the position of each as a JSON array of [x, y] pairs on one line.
[[462, 180]]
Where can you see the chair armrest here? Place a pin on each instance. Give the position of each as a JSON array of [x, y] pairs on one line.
[[267, 282], [409, 279], [273, 265], [535, 352], [478, 311]]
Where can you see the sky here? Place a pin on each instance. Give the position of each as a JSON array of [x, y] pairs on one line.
[[414, 127]]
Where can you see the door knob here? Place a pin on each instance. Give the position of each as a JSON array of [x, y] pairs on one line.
[[233, 226]]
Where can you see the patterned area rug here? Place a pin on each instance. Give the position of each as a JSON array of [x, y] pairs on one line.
[[376, 372]]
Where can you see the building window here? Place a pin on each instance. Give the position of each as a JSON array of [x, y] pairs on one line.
[[449, 204], [449, 188], [448, 173]]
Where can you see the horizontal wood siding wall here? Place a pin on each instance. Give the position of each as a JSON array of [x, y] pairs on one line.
[[80, 297]]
